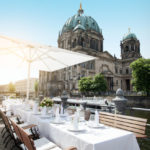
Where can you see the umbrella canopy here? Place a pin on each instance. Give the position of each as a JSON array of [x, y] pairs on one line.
[[38, 57]]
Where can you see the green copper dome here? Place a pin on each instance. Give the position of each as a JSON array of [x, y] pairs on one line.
[[79, 26], [129, 35], [82, 22]]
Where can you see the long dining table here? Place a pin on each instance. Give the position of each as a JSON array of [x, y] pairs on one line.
[[103, 138]]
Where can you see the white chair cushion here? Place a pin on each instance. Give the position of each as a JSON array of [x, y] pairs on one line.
[[28, 131], [44, 144], [23, 124]]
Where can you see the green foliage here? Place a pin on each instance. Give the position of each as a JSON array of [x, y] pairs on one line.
[[141, 75], [11, 87], [85, 84], [95, 85], [99, 83], [46, 102]]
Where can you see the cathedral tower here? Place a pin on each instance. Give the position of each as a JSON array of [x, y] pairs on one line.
[[130, 46]]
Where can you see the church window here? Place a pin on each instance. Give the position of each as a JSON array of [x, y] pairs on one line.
[[91, 43], [116, 70], [120, 71], [82, 42], [96, 44], [121, 83], [132, 47], [74, 43], [116, 82], [62, 44], [127, 71], [101, 46], [127, 48]]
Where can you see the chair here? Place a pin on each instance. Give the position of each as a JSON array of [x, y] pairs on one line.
[[87, 114], [133, 124], [11, 134]]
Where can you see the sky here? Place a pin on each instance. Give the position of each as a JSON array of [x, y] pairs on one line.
[[39, 21]]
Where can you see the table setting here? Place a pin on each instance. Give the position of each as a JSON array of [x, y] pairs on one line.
[[65, 130]]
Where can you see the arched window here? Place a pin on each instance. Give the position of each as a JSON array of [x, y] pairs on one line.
[[62, 44], [96, 44], [116, 82], [127, 71], [132, 47], [82, 41], [91, 43], [127, 48], [74, 43], [120, 71], [116, 70], [101, 46]]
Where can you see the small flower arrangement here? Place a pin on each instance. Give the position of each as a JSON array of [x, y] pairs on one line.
[[46, 102]]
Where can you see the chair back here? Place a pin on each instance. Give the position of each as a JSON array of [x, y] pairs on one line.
[[87, 114], [6, 121], [15, 127], [27, 140], [133, 124]]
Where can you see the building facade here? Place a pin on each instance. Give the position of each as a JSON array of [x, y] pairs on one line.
[[82, 34], [21, 87]]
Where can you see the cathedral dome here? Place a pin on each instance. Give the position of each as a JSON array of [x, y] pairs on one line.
[[82, 22], [129, 35]]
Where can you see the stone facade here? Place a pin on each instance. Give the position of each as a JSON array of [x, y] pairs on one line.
[[82, 34]]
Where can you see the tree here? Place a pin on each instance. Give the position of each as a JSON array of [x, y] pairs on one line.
[[99, 83], [36, 87], [85, 85], [11, 87], [96, 85], [141, 75]]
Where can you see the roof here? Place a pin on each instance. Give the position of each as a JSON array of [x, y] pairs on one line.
[[80, 21]]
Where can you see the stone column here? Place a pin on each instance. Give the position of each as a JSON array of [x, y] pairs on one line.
[[120, 101]]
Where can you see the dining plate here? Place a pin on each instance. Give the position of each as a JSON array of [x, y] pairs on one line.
[[63, 115], [45, 116], [76, 130], [57, 122], [38, 113]]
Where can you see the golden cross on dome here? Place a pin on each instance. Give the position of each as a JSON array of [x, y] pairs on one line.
[[80, 11], [80, 6]]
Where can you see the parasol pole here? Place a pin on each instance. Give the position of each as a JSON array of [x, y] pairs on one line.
[[28, 80]]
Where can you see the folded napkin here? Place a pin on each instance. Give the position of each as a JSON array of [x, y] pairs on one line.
[[61, 110], [35, 108], [96, 118], [43, 112], [57, 115], [75, 121]]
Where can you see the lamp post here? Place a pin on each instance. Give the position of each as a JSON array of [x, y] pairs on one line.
[[64, 98]]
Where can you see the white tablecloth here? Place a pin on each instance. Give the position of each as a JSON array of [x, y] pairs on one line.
[[106, 138]]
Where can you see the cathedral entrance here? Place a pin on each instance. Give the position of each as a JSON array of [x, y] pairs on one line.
[[109, 83], [128, 84]]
